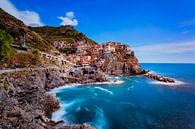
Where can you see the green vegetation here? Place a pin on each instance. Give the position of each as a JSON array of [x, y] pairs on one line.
[[31, 58], [68, 50], [64, 33], [21, 59], [132, 54], [17, 29], [5, 45]]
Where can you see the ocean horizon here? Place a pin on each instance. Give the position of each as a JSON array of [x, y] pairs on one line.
[[133, 102]]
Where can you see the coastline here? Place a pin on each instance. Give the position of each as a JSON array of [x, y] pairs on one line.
[[28, 92]]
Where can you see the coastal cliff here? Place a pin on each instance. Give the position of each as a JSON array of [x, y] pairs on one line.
[[115, 66], [25, 101], [121, 60]]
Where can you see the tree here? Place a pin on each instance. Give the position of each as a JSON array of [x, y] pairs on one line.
[[5, 45], [132, 54], [69, 50]]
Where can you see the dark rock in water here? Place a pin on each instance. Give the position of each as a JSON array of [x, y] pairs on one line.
[[144, 71], [158, 78]]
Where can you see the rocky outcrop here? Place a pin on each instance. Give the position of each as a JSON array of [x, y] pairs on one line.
[[114, 66], [159, 78], [24, 101]]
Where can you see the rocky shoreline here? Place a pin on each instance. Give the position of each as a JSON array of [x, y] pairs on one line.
[[26, 103], [159, 78]]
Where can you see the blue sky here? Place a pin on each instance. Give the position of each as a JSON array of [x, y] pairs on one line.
[[158, 30]]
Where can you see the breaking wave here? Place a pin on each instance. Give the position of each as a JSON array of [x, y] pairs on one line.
[[56, 90], [59, 114]]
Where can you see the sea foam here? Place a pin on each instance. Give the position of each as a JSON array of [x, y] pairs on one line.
[[59, 114], [101, 121], [117, 82], [58, 89], [176, 83], [106, 90]]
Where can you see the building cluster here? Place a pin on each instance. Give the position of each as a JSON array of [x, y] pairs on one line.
[[93, 54]]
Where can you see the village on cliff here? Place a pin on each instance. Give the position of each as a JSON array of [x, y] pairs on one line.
[[92, 54]]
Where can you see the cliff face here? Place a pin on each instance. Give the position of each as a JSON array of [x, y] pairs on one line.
[[122, 62], [117, 67], [24, 101], [21, 33]]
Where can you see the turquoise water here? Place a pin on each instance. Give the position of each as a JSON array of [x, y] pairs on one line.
[[137, 103]]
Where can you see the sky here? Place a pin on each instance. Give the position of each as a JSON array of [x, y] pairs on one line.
[[159, 31]]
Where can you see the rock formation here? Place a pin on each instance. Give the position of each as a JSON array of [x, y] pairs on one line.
[[121, 64], [25, 103], [159, 78]]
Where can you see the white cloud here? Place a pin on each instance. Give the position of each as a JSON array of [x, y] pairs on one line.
[[168, 48], [30, 18], [69, 19], [168, 53]]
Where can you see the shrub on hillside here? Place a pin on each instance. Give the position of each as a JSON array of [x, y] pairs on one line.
[[5, 45], [21, 59], [132, 54], [68, 50]]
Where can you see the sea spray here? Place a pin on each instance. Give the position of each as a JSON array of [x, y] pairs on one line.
[[64, 110]]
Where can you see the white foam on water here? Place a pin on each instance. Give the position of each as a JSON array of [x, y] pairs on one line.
[[176, 83], [152, 72], [136, 81], [95, 94], [58, 89], [87, 109], [58, 115], [112, 82], [114, 77], [117, 82], [101, 121], [129, 88], [106, 90]]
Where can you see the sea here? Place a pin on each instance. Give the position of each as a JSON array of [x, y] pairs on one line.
[[132, 102]]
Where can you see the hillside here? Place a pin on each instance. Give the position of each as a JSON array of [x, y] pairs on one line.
[[20, 32], [63, 33]]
